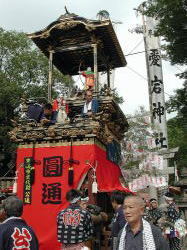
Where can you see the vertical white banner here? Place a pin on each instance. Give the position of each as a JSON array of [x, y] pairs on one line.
[[156, 84]]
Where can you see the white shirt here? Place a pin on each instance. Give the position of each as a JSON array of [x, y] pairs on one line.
[[87, 107]]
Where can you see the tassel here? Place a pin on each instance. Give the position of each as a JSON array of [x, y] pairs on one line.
[[94, 187], [70, 176]]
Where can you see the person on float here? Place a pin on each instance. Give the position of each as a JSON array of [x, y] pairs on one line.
[[89, 78], [61, 107], [49, 116], [91, 106]]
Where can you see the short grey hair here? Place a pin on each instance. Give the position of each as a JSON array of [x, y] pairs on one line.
[[13, 206], [138, 200]]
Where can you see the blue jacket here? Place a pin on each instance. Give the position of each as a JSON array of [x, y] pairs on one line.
[[15, 233], [52, 118], [118, 221], [94, 107]]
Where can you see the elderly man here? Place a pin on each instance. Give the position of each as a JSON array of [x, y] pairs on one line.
[[74, 224], [91, 105], [138, 234], [15, 233]]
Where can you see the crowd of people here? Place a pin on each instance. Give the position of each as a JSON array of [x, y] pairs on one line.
[[80, 225]]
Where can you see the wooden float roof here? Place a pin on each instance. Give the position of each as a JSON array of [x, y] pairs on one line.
[[72, 37]]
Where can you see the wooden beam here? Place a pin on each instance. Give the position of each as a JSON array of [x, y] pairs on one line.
[[50, 79], [79, 47], [108, 76], [95, 67]]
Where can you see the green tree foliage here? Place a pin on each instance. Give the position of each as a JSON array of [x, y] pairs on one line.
[[23, 72], [172, 26], [177, 126]]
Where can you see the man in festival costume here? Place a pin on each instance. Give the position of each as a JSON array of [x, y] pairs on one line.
[[118, 221], [14, 231], [89, 78], [74, 224], [91, 105], [137, 233], [154, 213]]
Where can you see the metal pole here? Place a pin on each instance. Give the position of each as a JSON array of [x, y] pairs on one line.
[[50, 78], [95, 67]]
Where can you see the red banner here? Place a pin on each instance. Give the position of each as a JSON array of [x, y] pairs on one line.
[[51, 184]]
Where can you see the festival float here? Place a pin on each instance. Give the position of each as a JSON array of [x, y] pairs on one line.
[[82, 152]]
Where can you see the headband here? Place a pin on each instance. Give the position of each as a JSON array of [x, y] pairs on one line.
[[169, 198], [75, 200], [85, 199], [153, 200]]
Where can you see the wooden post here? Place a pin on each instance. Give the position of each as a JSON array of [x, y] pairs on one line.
[[50, 79], [95, 67], [108, 76], [147, 63]]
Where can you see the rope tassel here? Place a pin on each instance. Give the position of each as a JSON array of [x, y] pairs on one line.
[[70, 176]]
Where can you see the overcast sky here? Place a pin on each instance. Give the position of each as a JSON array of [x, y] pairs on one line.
[[32, 15]]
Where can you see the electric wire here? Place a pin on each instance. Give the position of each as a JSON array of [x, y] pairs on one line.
[[135, 53], [147, 81], [136, 46]]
